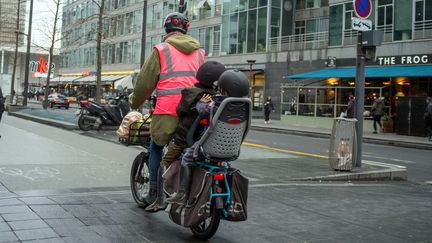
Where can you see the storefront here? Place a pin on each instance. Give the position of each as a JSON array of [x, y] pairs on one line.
[[325, 92], [84, 85]]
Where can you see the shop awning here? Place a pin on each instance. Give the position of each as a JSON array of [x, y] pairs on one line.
[[125, 82], [371, 72], [92, 79], [66, 79]]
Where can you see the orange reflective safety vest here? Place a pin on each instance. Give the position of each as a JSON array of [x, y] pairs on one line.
[[177, 71]]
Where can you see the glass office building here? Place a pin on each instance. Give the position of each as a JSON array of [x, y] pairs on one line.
[[224, 29]]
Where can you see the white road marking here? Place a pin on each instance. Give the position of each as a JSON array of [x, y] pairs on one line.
[[325, 184], [395, 160], [383, 164]]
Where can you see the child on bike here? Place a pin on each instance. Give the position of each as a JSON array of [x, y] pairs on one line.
[[231, 83], [207, 74]]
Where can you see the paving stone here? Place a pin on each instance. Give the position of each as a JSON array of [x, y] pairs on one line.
[[84, 211], [7, 236], [36, 234], [4, 227], [81, 200], [10, 202], [14, 209], [66, 222], [28, 224], [98, 221], [50, 240], [37, 201], [79, 233], [86, 239], [20, 216], [51, 211]]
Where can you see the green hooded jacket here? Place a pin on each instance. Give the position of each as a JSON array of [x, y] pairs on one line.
[[162, 126]]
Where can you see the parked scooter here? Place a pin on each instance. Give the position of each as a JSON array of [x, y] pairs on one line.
[[94, 115]]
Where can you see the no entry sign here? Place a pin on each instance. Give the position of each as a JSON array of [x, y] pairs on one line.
[[363, 8]]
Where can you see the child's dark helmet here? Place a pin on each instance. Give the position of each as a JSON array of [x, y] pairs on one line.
[[208, 73], [176, 22], [235, 83]]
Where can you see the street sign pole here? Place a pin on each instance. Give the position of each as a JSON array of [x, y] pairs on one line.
[[359, 97]]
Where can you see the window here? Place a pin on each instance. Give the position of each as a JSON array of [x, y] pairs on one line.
[[300, 27], [385, 18], [423, 10], [349, 13], [402, 20], [245, 28], [336, 24], [304, 4], [128, 23]]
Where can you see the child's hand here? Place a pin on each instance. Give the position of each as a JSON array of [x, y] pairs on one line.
[[207, 98]]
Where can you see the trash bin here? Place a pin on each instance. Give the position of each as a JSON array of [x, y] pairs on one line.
[[343, 144]]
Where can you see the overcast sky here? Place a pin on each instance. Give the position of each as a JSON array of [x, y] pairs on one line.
[[43, 20]]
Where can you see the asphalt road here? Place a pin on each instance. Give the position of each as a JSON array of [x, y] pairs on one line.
[[418, 161], [78, 185]]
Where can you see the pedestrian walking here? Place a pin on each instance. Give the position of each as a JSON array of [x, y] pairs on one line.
[[428, 117], [2, 108], [377, 112], [268, 107], [350, 107], [169, 69]]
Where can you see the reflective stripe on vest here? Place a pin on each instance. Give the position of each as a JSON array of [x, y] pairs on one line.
[[177, 71]]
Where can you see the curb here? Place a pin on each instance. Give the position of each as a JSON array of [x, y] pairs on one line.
[[391, 173], [46, 121], [316, 134]]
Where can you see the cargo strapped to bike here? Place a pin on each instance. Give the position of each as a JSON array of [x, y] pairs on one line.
[[198, 206], [135, 130]]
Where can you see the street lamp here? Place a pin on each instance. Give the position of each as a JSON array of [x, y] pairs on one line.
[[251, 81], [26, 74]]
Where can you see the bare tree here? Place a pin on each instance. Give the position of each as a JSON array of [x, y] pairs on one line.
[[101, 5], [54, 38], [12, 92]]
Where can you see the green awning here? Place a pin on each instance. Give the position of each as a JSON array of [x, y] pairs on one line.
[[371, 72]]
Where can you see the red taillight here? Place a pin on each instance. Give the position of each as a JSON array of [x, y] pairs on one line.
[[85, 103], [218, 177], [67, 101], [218, 190], [204, 122], [234, 121]]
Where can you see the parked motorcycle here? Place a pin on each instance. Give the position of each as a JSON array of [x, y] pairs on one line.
[[94, 115]]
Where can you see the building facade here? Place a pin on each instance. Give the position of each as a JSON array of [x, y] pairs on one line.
[[323, 41], [9, 17], [38, 68], [271, 41]]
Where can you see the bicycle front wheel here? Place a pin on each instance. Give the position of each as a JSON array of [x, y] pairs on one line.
[[139, 179]]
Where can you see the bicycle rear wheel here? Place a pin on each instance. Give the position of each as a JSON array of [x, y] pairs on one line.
[[139, 179], [207, 228]]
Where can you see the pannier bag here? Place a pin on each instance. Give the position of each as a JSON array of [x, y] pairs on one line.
[[198, 207], [237, 210]]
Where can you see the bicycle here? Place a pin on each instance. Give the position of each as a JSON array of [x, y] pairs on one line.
[[215, 199]]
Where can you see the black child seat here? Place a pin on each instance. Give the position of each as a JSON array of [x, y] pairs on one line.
[[227, 130]]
